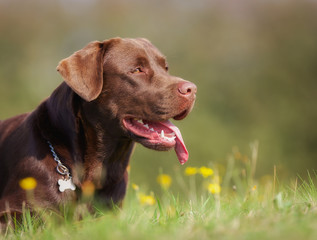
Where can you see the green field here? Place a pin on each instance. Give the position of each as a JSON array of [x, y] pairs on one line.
[[212, 204]]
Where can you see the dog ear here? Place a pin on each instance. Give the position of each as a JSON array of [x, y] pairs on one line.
[[83, 70]]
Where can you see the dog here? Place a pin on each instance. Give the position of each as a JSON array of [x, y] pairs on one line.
[[115, 93]]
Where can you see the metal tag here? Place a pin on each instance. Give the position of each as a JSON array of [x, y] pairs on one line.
[[66, 184]]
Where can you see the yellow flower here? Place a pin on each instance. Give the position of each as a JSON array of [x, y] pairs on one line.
[[146, 199], [214, 188], [254, 188], [88, 188], [28, 183], [164, 180], [135, 187], [206, 172], [189, 171]]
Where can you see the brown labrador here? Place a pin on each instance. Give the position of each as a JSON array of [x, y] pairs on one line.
[[115, 93]]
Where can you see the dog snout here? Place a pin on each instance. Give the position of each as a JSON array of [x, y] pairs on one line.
[[187, 89]]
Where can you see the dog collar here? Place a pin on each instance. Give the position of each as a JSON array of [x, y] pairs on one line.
[[66, 182]]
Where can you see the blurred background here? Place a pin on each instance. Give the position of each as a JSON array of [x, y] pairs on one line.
[[254, 62]]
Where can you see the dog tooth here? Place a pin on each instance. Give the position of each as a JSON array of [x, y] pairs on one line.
[[140, 121], [152, 129], [147, 126], [170, 139], [162, 134]]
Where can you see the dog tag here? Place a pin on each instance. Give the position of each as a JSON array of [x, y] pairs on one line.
[[66, 184]]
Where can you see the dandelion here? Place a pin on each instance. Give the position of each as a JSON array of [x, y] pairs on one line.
[[28, 183], [88, 188], [254, 188], [164, 180], [206, 172], [148, 200], [189, 171], [135, 187], [214, 188]]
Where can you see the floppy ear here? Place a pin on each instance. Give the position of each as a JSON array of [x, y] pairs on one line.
[[83, 71]]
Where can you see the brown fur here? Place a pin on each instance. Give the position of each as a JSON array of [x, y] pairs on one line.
[[83, 120]]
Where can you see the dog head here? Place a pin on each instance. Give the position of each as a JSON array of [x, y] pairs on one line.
[[125, 84]]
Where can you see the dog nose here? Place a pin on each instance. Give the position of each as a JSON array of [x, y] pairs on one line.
[[187, 88]]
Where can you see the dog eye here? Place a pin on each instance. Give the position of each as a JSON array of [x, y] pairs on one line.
[[166, 67], [137, 70]]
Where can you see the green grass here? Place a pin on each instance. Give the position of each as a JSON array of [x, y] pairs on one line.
[[289, 215], [246, 208]]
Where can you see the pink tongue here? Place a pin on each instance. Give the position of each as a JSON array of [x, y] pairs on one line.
[[180, 148]]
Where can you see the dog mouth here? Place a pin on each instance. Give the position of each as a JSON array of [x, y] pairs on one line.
[[182, 115], [162, 135]]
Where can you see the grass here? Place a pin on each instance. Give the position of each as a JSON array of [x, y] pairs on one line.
[[246, 208]]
